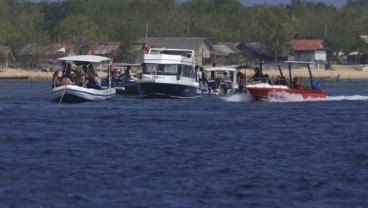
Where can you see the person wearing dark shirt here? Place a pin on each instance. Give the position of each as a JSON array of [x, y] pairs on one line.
[[280, 80], [205, 80], [257, 75], [267, 80]]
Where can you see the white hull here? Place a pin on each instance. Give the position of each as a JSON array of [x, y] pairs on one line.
[[168, 73], [75, 93]]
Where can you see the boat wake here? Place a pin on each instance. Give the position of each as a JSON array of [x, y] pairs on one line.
[[280, 97], [351, 97], [246, 97], [297, 98]]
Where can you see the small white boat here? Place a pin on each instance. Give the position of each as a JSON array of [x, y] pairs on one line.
[[216, 82], [72, 93]]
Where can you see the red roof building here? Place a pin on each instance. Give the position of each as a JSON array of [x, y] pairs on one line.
[[308, 45], [310, 49]]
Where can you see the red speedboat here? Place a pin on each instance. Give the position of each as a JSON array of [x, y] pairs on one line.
[[261, 89]]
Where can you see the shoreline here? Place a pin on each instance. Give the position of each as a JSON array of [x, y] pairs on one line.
[[340, 72], [12, 73]]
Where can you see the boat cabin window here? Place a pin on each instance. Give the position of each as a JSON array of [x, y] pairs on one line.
[[150, 68], [160, 69], [187, 71], [169, 69]]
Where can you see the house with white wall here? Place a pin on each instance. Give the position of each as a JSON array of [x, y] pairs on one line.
[[314, 50]]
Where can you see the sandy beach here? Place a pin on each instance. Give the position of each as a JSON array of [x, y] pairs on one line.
[[31, 74], [337, 71]]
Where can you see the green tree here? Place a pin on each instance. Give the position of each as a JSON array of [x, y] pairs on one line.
[[80, 32], [274, 27]]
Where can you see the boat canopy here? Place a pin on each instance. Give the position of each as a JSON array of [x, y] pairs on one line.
[[222, 68], [126, 65], [86, 58], [286, 63]]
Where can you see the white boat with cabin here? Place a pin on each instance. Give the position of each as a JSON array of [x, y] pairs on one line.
[[168, 73]]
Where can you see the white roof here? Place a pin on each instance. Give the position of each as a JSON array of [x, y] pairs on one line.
[[221, 68], [85, 58]]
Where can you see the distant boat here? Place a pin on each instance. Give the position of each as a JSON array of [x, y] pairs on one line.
[[168, 73], [260, 89], [229, 86], [73, 93], [123, 82]]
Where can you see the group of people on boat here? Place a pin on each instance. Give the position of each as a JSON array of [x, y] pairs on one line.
[[220, 81], [224, 82], [84, 76], [280, 80], [117, 75]]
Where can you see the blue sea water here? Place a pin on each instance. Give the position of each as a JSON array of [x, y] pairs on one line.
[[207, 152]]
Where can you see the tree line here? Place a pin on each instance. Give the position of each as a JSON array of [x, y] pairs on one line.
[[83, 22]]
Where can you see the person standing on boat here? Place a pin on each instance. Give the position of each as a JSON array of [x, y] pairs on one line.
[[197, 73], [205, 80], [240, 81], [67, 74], [225, 82], [127, 74], [257, 75], [56, 80]]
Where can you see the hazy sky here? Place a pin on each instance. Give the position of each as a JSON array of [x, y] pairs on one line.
[[337, 3]]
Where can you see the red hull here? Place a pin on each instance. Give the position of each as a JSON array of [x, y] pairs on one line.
[[261, 93]]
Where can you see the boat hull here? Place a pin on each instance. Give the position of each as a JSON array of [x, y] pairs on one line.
[[167, 90], [75, 94], [265, 91], [127, 90], [124, 88]]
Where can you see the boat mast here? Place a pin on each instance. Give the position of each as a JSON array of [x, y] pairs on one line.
[[310, 76], [290, 78]]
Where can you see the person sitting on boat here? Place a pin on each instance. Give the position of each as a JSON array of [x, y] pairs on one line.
[[280, 80], [78, 77], [67, 74], [266, 79], [97, 79], [92, 80], [297, 84], [56, 80], [257, 75], [225, 82]]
